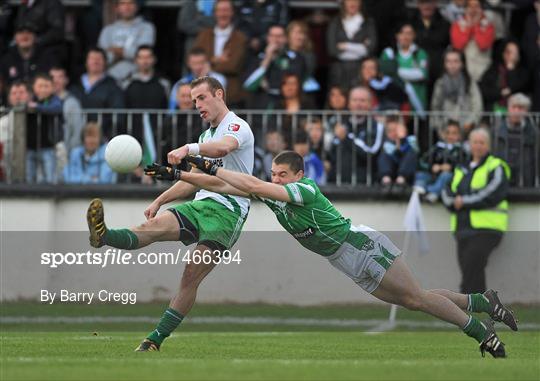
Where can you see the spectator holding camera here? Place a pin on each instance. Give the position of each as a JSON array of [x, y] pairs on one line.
[[476, 198], [86, 164], [397, 160], [437, 165]]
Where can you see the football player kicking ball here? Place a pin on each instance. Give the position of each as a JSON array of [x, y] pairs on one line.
[[366, 256], [212, 220]]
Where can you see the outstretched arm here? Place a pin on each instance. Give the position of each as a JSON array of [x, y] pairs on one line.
[[253, 185], [244, 182], [212, 184], [214, 149]]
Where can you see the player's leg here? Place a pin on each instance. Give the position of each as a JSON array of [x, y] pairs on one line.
[[164, 227], [183, 301], [399, 286]]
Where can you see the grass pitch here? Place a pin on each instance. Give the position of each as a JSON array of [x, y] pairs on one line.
[[247, 350]]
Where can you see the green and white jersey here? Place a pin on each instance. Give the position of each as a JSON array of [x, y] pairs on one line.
[[240, 160], [311, 218]]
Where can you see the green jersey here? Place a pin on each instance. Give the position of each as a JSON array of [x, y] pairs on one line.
[[311, 218]]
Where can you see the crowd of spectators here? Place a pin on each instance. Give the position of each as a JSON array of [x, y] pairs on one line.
[[372, 59]]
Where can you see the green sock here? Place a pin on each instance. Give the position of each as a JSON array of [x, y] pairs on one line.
[[474, 328], [121, 239], [478, 303], [168, 323]]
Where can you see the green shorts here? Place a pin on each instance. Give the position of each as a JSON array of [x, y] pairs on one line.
[[212, 221]]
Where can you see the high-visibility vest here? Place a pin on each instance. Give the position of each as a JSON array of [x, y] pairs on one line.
[[493, 218]]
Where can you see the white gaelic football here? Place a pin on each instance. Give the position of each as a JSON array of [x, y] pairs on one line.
[[123, 153]]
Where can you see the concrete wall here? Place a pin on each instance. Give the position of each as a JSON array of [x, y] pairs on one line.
[[273, 269]]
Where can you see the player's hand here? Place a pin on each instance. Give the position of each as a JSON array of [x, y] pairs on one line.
[[162, 172], [175, 156], [204, 165], [152, 210]]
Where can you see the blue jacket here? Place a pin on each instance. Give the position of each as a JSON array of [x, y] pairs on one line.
[[92, 170], [314, 168]]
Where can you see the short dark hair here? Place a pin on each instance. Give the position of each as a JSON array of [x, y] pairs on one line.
[[452, 123], [19, 83], [145, 47], [196, 51], [213, 84], [44, 76], [292, 159], [96, 49]]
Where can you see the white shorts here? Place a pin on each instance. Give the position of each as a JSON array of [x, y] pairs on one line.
[[365, 264]]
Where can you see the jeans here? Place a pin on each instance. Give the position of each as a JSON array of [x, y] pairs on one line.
[[41, 166], [424, 179]]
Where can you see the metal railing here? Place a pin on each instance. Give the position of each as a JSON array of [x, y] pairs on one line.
[[352, 160]]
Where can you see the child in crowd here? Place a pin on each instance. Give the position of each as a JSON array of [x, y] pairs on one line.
[[397, 161], [87, 163], [313, 165], [437, 165]]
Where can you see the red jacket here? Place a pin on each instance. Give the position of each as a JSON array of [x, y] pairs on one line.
[[483, 34]]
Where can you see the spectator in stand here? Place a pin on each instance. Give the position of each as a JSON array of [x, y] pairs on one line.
[[480, 214], [96, 90], [194, 16], [122, 38], [24, 60], [453, 10], [432, 35], [531, 48], [293, 99], [313, 165], [198, 65], [183, 97], [357, 140], [257, 17], [337, 98], [387, 93], [71, 108], [299, 41], [47, 18], [43, 131], [506, 76], [225, 46], [145, 89], [437, 165], [318, 140], [350, 37], [474, 35], [397, 160], [274, 144], [18, 96], [517, 142], [456, 95], [7, 12], [386, 13], [408, 64], [87, 163], [265, 74]]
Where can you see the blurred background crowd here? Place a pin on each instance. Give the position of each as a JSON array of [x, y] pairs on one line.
[[368, 91]]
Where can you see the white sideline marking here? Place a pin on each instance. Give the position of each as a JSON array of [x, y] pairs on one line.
[[255, 320]]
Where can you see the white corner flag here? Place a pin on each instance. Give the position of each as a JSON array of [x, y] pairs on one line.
[[149, 143], [414, 225], [413, 222]]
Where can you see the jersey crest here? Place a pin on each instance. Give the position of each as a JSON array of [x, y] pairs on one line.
[[234, 127]]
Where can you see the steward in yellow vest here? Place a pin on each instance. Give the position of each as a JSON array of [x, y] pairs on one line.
[[483, 191]]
